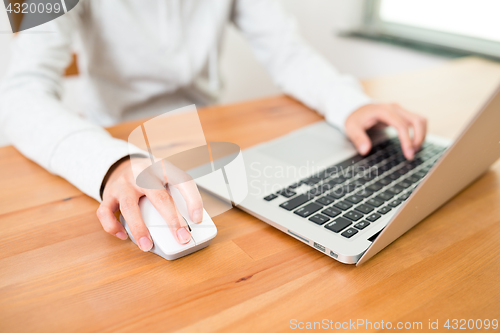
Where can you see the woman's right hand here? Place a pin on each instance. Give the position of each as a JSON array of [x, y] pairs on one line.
[[122, 193]]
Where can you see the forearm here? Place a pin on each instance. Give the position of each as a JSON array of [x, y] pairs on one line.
[[295, 67], [58, 140], [308, 77]]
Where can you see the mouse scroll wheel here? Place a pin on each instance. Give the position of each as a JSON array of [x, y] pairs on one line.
[[187, 223]]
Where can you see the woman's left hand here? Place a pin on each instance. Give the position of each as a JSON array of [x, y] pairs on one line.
[[393, 115]]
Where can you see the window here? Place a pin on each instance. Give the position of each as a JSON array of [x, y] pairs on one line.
[[463, 26]]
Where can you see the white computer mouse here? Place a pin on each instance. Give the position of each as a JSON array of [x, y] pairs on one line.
[[164, 243]]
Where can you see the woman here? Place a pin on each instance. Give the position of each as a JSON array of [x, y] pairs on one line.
[[153, 56]]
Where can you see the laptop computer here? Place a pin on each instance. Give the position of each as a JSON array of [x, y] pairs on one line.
[[312, 185]]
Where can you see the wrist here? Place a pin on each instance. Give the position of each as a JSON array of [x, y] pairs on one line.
[[111, 169]]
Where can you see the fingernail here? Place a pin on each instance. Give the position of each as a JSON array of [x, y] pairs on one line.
[[198, 216], [145, 244], [121, 235], [363, 148], [410, 153], [184, 235]]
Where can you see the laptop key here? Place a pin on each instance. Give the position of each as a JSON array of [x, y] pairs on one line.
[[395, 203], [384, 210], [323, 175], [336, 181], [296, 202], [395, 189], [375, 202], [385, 181], [337, 194], [365, 193], [400, 158], [402, 171], [365, 209], [270, 197], [311, 181], [385, 167], [407, 165], [404, 184], [294, 185], [313, 192], [347, 174], [353, 215], [412, 179], [341, 179], [330, 197], [332, 212], [358, 182], [338, 224], [308, 209], [319, 219], [287, 193], [392, 163], [375, 186], [326, 200], [361, 225], [333, 170], [373, 217], [405, 196], [384, 196], [349, 233], [324, 188], [369, 176], [416, 162], [394, 176], [344, 205], [348, 188], [354, 199], [419, 174]]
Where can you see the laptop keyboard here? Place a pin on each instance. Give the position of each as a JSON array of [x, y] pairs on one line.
[[348, 197]]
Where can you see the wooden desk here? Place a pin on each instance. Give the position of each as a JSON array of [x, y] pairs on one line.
[[60, 272]]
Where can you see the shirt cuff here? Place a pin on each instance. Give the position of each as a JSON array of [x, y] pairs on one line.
[[85, 157], [345, 103]]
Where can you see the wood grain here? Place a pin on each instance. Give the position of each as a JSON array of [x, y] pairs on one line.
[[61, 272], [72, 69]]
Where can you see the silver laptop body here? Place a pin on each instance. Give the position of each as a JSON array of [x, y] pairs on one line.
[[334, 212]]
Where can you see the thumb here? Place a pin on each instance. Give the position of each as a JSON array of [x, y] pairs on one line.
[[359, 138]]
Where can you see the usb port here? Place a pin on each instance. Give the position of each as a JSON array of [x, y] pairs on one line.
[[298, 236], [319, 247], [333, 254]]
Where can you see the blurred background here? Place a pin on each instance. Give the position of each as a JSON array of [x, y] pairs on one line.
[[366, 38]]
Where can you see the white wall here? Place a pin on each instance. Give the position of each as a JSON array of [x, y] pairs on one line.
[[319, 22], [5, 38]]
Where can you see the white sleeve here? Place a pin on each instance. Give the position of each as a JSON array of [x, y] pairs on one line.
[[34, 119], [296, 68]]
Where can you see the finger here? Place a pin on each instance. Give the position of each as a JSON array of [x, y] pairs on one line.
[[187, 187], [165, 205], [356, 132], [419, 125], [130, 210], [394, 119], [105, 214], [191, 195]]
